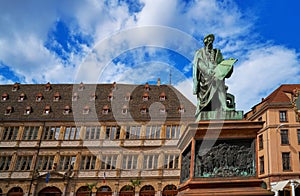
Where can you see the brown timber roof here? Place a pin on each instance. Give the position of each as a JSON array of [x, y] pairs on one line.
[[66, 92]]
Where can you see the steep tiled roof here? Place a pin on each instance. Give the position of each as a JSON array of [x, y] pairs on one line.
[[279, 95], [100, 93]]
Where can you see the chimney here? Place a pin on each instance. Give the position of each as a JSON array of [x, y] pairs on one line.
[[158, 82]]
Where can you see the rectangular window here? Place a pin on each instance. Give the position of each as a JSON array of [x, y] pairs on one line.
[[282, 116], [150, 161], [10, 133], [88, 162], [171, 161], [129, 162], [5, 163], [286, 161], [30, 133], [172, 131], [260, 142], [66, 163], [153, 132], [51, 133], [92, 133], [112, 132], [72, 133], [284, 136], [261, 165], [23, 163], [133, 132], [45, 163], [109, 162]]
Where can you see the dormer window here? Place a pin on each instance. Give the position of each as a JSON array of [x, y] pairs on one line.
[[8, 110], [86, 109], [144, 110], [114, 86], [146, 87], [67, 110], [128, 97], [181, 109], [75, 97], [15, 87], [162, 96], [4, 97], [47, 110], [162, 110], [56, 96], [21, 97], [81, 86], [48, 87], [145, 97], [93, 97], [105, 109], [28, 110], [110, 97], [124, 109], [39, 97]]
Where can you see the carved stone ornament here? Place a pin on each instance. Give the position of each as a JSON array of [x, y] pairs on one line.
[[296, 102]]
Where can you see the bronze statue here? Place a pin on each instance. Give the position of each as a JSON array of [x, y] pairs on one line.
[[209, 73]]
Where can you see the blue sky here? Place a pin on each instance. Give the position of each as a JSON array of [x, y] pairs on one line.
[[126, 41]]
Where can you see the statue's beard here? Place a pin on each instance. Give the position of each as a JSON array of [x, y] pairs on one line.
[[209, 46]]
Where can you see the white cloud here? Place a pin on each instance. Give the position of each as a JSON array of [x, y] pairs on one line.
[[264, 70]]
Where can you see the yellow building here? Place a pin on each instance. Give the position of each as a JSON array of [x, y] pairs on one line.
[[100, 139], [278, 142]]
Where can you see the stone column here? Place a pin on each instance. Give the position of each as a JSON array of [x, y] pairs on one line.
[[293, 185], [64, 193]]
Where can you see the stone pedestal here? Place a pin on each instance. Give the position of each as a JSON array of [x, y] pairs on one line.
[[219, 158]]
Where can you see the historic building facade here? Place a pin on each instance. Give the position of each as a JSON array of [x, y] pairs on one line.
[[278, 142], [100, 139]]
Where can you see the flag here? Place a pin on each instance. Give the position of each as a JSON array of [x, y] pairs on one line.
[[47, 177], [104, 177]]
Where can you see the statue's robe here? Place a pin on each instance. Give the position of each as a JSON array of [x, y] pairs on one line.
[[206, 84]]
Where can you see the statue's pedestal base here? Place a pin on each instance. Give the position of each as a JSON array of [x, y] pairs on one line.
[[218, 157], [223, 187]]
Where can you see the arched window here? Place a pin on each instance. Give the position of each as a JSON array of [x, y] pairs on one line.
[[104, 191], [83, 191], [53, 191], [170, 190], [127, 190], [147, 190], [16, 191]]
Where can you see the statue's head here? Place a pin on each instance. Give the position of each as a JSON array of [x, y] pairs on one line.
[[209, 39]]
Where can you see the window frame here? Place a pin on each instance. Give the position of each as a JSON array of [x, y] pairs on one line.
[[284, 136], [55, 136], [171, 161], [5, 162], [92, 132], [30, 133], [108, 162], [153, 131], [286, 161], [10, 133], [21, 160], [283, 117], [66, 162], [88, 162], [45, 162]]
